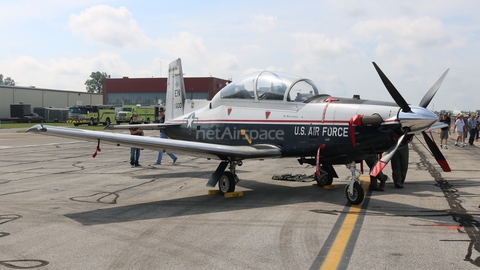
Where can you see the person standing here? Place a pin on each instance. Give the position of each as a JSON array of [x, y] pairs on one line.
[[444, 131], [472, 129], [458, 127], [164, 136], [399, 162], [465, 129], [478, 128], [135, 152]]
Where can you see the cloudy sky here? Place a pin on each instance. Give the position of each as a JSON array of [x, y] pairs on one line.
[[56, 44]]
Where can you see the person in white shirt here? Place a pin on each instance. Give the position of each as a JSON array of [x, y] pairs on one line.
[[459, 125]]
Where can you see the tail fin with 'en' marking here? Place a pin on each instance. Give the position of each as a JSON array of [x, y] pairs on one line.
[[175, 100]]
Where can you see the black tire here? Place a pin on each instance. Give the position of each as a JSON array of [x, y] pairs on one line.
[[226, 183], [107, 122], [236, 179], [358, 194], [76, 124], [325, 178], [90, 123]]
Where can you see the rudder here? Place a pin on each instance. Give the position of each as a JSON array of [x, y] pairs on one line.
[[175, 99]]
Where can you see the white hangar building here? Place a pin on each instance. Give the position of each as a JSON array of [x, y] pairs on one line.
[[39, 97]]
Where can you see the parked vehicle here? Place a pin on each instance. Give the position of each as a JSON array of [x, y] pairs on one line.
[[91, 115]]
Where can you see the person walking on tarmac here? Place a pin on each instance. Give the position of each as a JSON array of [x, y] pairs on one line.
[[135, 152], [164, 136], [472, 129]]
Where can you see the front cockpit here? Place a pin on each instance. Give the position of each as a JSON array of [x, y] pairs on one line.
[[268, 86]]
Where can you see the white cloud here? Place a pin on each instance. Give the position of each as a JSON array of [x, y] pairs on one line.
[[384, 49], [315, 53], [69, 73], [424, 32], [264, 23], [222, 65], [108, 26], [252, 49], [185, 45], [321, 47]]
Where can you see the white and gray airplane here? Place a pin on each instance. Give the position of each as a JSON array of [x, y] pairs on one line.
[[267, 115]]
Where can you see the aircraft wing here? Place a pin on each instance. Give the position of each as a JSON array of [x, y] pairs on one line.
[[199, 149], [154, 126]]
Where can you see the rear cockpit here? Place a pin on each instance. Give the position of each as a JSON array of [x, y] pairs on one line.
[[266, 86]]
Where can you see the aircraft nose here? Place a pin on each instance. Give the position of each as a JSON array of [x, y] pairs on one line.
[[417, 119]]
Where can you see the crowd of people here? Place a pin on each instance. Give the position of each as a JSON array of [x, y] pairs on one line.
[[465, 126]]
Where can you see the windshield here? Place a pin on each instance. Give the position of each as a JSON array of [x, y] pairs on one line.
[[79, 110], [267, 85]]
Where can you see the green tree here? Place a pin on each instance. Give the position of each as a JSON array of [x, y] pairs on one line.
[[95, 83], [7, 81]]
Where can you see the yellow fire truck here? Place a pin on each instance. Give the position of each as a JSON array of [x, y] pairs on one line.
[[91, 115], [146, 114]]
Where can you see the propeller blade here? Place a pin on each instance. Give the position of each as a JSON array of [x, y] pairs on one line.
[[436, 153], [386, 157], [433, 90], [392, 90]]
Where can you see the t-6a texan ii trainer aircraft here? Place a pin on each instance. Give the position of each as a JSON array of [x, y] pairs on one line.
[[272, 115]]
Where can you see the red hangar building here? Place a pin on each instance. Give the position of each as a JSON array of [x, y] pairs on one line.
[[148, 91]]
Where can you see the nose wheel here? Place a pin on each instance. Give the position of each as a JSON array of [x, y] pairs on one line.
[[354, 194], [354, 190]]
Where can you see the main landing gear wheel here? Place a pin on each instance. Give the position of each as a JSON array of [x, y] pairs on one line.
[[357, 196], [325, 178], [227, 182]]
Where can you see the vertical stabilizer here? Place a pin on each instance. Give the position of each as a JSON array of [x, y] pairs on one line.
[[175, 100]]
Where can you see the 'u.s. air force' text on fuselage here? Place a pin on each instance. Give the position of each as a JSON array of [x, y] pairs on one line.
[[323, 131]]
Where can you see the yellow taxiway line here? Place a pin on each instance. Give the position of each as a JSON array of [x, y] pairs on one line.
[[334, 256]]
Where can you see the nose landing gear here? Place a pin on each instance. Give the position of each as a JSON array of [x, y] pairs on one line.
[[354, 190]]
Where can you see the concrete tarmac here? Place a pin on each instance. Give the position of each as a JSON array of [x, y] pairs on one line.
[[62, 209]]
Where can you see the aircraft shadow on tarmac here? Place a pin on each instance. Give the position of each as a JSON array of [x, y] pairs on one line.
[[266, 194], [258, 195]]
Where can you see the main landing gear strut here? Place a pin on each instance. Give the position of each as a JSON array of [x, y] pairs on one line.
[[354, 190], [227, 180]]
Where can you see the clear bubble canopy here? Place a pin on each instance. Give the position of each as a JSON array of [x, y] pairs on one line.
[[268, 85]]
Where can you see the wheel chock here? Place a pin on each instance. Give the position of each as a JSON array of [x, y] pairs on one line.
[[213, 192], [233, 194], [330, 186]]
